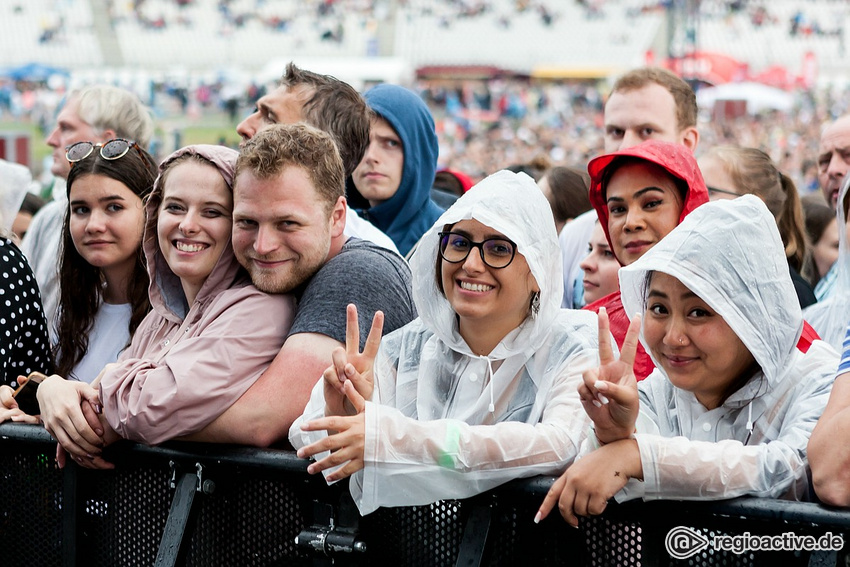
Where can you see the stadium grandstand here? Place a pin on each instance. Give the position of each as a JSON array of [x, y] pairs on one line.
[[544, 38]]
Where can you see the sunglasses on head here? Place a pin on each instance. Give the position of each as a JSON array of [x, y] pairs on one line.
[[113, 149]]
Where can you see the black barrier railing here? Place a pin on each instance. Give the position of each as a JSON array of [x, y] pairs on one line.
[[210, 505]]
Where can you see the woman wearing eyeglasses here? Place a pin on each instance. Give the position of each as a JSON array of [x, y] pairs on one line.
[[481, 388], [209, 335]]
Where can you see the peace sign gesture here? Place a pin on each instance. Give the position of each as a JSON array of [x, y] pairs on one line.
[[609, 393], [351, 364]]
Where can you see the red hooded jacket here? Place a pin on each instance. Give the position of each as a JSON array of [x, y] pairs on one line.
[[681, 164]]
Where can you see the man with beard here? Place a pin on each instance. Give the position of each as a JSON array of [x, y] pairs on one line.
[[288, 220]]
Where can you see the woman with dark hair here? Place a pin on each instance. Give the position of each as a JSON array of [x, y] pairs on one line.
[[103, 280], [641, 193], [481, 387], [737, 388], [822, 230]]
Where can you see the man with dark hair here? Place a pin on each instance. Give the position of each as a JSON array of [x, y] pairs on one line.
[[650, 103], [289, 211], [332, 106]]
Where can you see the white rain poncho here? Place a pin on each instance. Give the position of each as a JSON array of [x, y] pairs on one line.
[[831, 316], [729, 253], [430, 431]]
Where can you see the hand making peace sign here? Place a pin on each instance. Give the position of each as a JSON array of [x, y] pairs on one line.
[[351, 364], [609, 393]]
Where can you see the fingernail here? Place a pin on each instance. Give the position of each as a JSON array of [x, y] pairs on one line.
[[349, 370], [89, 455], [597, 404], [311, 469], [300, 453], [603, 399], [573, 526], [537, 518], [600, 385], [99, 409], [99, 431]]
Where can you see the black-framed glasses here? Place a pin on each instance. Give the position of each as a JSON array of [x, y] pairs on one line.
[[722, 191], [113, 149], [495, 252]]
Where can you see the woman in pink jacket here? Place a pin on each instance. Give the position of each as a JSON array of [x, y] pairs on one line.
[[208, 337]]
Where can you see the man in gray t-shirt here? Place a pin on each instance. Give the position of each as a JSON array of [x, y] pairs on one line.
[[289, 212], [367, 275]]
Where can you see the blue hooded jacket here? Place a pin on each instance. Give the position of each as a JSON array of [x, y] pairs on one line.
[[408, 214]]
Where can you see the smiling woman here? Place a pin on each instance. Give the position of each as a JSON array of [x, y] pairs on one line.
[[208, 337], [481, 388], [736, 392], [640, 194]]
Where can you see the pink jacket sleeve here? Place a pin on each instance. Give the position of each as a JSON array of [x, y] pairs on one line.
[[212, 362]]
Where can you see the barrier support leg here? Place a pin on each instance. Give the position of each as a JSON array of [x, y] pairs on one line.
[[172, 547], [474, 542]]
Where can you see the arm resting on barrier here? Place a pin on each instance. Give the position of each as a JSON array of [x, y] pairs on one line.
[[829, 449]]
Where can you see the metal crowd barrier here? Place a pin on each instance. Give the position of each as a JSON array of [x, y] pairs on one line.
[[215, 505]]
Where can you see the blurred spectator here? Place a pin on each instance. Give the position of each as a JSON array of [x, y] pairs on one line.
[[822, 230], [566, 189], [31, 205]]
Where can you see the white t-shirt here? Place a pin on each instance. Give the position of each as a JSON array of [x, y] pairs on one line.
[[109, 336]]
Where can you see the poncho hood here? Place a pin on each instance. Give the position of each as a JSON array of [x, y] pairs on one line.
[[676, 159], [165, 291], [405, 216], [730, 254], [512, 204]]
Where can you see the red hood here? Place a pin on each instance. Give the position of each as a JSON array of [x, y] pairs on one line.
[[678, 160]]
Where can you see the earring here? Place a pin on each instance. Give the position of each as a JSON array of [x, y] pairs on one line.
[[535, 305]]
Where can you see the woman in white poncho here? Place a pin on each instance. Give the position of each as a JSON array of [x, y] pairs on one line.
[[478, 390], [736, 392]]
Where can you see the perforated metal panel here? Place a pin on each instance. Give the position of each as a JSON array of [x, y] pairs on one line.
[[248, 522], [124, 512], [30, 509], [417, 535]]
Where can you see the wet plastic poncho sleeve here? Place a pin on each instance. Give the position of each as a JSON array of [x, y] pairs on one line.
[[769, 462]]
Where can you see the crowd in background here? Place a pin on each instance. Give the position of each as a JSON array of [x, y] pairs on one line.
[[485, 124]]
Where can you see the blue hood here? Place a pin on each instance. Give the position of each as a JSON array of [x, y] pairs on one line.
[[408, 214]]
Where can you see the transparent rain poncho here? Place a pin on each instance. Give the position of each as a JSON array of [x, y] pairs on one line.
[[831, 316], [446, 423], [729, 253]]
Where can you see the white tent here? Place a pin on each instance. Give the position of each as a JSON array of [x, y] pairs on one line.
[[758, 97]]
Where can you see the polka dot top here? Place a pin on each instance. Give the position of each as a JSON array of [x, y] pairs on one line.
[[24, 343]]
